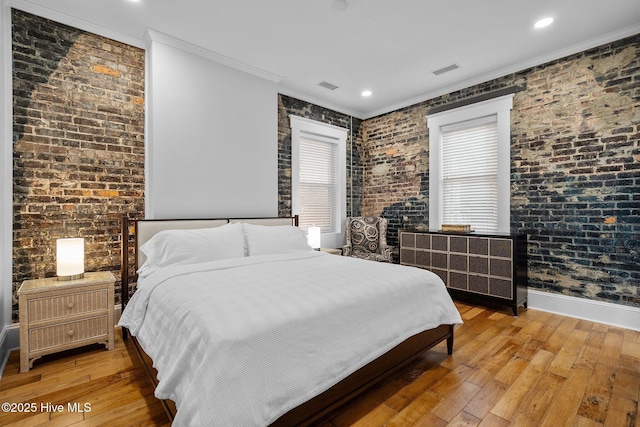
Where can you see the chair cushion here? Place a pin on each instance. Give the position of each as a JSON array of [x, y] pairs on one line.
[[370, 256], [365, 234]]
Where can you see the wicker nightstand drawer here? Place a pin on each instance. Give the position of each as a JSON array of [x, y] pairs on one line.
[[41, 309], [60, 315], [68, 333]]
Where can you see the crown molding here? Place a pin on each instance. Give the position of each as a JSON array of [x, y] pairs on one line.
[[321, 103], [521, 66], [81, 24], [156, 36]]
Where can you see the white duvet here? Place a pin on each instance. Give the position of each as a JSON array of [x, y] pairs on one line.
[[240, 342]]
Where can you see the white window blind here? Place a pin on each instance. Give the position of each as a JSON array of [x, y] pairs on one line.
[[318, 183], [470, 173]]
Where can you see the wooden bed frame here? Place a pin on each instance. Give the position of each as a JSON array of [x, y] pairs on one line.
[[322, 405]]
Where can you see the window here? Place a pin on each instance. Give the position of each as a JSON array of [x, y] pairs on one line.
[[469, 165], [318, 176]]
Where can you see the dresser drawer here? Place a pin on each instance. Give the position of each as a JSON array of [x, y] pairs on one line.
[[478, 267], [67, 333], [54, 307]]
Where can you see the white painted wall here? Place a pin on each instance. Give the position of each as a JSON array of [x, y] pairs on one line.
[[211, 136], [6, 175]]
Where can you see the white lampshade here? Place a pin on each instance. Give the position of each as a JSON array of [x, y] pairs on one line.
[[313, 237], [70, 258]]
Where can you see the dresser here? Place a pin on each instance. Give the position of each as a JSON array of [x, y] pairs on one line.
[[479, 268], [60, 315]]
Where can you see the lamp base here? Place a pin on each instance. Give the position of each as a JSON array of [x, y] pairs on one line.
[[72, 277]]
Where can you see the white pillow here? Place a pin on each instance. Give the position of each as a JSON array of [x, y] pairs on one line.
[[192, 246], [274, 239]]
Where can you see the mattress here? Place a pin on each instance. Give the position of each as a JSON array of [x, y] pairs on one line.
[[240, 342]]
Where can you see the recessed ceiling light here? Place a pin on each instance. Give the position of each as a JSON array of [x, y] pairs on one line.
[[366, 93], [544, 22], [339, 4]]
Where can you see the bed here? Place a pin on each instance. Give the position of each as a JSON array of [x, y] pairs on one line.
[[247, 325]]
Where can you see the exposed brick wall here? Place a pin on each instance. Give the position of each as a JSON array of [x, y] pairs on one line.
[[291, 106], [576, 181], [575, 173], [395, 169], [78, 137]]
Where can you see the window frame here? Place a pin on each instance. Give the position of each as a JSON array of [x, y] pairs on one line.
[[301, 127], [501, 107]]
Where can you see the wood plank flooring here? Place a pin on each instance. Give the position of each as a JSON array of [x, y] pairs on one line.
[[113, 383], [538, 369]]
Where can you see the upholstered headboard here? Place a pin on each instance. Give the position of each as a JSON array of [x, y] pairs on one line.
[[145, 229]]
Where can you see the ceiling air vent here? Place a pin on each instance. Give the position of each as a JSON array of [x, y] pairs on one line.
[[446, 69], [328, 85]]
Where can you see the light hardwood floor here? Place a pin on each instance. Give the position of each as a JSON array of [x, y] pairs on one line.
[[538, 369]]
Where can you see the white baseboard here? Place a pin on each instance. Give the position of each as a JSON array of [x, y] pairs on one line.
[[117, 312], [623, 316], [9, 341]]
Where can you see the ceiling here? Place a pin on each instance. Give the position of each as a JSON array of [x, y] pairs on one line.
[[390, 47]]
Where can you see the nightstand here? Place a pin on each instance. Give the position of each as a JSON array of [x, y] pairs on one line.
[[60, 315], [332, 251]]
